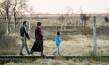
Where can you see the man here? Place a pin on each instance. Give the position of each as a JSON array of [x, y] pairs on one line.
[[24, 34], [38, 44]]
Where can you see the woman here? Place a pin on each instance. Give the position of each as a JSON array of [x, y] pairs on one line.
[[38, 45]]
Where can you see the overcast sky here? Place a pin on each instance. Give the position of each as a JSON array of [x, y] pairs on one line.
[[58, 6]]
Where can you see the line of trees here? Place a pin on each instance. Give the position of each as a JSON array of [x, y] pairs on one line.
[[68, 19], [83, 17], [106, 18], [15, 8]]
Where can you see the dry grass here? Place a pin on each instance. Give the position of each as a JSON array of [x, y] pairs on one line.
[[74, 43], [8, 52], [59, 57], [77, 44], [60, 62], [7, 43]]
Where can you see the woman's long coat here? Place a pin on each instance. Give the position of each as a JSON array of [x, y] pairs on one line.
[[38, 44]]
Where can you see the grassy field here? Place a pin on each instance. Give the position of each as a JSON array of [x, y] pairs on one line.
[[76, 40]]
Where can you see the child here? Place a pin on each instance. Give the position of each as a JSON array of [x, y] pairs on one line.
[[58, 42]]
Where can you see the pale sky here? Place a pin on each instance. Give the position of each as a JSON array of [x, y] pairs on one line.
[[58, 6]]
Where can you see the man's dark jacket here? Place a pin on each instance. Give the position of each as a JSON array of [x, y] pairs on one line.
[[23, 31]]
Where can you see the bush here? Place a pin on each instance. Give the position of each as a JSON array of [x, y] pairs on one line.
[[7, 43], [2, 30], [106, 19], [92, 55], [59, 57]]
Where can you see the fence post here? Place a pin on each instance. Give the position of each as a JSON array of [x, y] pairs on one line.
[[94, 34]]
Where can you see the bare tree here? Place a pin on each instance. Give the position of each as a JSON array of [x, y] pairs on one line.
[[108, 9], [71, 18], [106, 17], [62, 20], [12, 7], [83, 17], [68, 9], [31, 12], [4, 10], [18, 7], [81, 12], [1, 11]]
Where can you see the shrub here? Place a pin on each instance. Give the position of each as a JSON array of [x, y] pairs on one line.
[[2, 30], [7, 43], [59, 57], [106, 19]]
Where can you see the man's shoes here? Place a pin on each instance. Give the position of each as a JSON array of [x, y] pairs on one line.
[[43, 55], [31, 53], [21, 54], [28, 53]]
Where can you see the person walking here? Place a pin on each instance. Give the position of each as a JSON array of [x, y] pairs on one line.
[[58, 42], [24, 35], [38, 44]]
